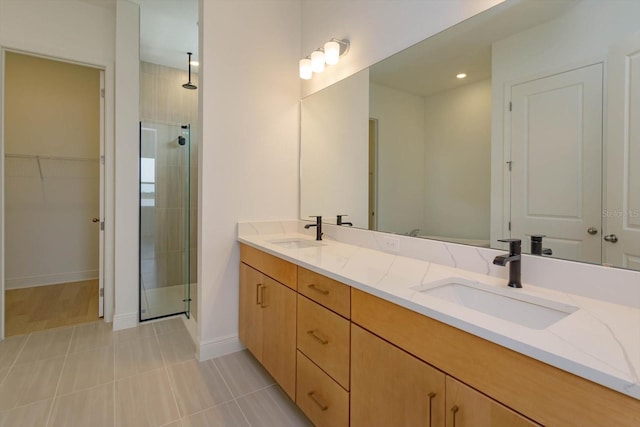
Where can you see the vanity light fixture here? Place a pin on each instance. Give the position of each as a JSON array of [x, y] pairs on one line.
[[329, 54], [305, 69], [461, 75]]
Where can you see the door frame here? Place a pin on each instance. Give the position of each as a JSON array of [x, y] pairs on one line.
[[106, 241]]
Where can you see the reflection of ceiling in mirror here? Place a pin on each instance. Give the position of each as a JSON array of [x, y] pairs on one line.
[[431, 66]]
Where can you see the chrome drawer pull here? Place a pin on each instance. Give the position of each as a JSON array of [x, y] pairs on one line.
[[317, 289], [318, 401], [317, 338]]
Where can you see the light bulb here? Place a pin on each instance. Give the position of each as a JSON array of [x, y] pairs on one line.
[[461, 75], [331, 52], [305, 69], [317, 61]]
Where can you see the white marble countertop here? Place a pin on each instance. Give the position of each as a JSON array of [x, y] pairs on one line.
[[600, 341]]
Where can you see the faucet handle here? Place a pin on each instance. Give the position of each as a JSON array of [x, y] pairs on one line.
[[515, 245]]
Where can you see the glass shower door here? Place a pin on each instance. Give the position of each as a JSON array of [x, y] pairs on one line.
[[164, 220]]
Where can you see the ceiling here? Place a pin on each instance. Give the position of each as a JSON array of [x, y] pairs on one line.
[[168, 30]]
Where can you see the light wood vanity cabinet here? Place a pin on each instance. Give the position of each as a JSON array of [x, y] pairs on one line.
[[348, 357], [267, 322], [324, 329], [469, 408], [389, 387]]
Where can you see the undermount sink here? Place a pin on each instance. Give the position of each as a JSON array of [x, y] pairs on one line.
[[503, 303], [295, 243]]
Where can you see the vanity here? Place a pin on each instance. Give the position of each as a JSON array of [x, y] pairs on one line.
[[361, 337]]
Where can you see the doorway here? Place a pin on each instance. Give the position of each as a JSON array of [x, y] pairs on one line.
[[53, 190]]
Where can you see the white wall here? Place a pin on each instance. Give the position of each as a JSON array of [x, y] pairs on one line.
[[400, 118], [249, 96], [334, 163], [458, 162], [74, 31], [376, 29], [127, 87], [580, 37]]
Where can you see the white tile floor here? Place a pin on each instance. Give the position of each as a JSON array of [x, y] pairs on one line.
[[87, 375]]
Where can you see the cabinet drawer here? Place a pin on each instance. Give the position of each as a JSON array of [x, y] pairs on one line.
[[274, 267], [332, 294], [324, 337], [319, 397]]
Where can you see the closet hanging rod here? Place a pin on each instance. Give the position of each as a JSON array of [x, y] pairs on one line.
[[37, 157]]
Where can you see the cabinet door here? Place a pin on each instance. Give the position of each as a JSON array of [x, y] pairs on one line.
[[279, 334], [389, 387], [250, 321], [468, 408]]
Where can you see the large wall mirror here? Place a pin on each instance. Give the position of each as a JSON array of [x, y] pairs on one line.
[[541, 137]]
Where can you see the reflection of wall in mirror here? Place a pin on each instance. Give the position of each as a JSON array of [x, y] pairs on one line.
[[334, 146], [434, 160]]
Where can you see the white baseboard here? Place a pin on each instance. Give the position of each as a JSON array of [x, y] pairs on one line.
[[125, 321], [219, 347], [49, 279]]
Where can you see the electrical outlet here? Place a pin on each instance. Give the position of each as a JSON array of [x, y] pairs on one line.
[[390, 244]]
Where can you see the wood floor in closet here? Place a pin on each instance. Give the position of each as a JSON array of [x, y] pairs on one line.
[[45, 307]]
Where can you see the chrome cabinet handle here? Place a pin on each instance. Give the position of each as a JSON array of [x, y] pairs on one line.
[[611, 238], [318, 401], [454, 411], [592, 230], [431, 396], [318, 338], [317, 289]]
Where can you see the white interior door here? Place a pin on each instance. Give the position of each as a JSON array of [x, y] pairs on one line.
[[622, 213], [556, 155]]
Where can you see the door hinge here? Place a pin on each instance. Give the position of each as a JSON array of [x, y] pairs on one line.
[[510, 106], [102, 160], [101, 93], [509, 225], [101, 292], [101, 225], [510, 163]]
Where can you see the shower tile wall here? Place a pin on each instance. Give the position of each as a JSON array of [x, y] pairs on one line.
[[163, 100]]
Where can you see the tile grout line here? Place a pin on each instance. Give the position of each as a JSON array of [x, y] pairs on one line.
[[24, 344], [64, 363], [235, 399], [166, 370], [113, 343]]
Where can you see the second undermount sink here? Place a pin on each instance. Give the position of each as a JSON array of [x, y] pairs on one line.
[[504, 303], [296, 243]]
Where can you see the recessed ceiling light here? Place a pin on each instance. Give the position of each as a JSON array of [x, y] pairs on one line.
[[461, 75]]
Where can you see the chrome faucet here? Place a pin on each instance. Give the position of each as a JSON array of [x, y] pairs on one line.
[[513, 259], [340, 222], [536, 245], [318, 226]]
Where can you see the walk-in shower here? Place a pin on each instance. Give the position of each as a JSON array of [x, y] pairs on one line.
[[164, 220]]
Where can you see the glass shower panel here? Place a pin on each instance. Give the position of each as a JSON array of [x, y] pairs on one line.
[[164, 220]]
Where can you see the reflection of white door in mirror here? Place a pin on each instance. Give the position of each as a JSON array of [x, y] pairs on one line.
[[556, 154], [622, 208]]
